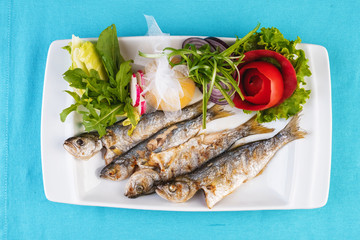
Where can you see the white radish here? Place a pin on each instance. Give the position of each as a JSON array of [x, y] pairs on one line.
[[135, 91], [142, 106], [140, 79]]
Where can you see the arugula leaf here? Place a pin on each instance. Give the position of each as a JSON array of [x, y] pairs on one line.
[[75, 77], [123, 78], [67, 111], [74, 95], [109, 50], [130, 112], [100, 102], [101, 106], [94, 121], [132, 115]]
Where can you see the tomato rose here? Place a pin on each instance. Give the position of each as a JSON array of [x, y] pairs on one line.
[[262, 84]]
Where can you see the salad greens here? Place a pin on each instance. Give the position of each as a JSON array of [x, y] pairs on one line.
[[208, 69], [100, 78], [273, 39]]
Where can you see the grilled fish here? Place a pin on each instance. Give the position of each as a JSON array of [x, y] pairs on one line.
[[84, 146], [117, 141], [222, 175], [124, 165], [188, 156]]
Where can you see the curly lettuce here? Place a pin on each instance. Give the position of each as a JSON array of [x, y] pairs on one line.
[[100, 78], [273, 39]]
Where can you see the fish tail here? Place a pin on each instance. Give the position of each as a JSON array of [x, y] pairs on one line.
[[218, 111], [255, 127], [292, 129]]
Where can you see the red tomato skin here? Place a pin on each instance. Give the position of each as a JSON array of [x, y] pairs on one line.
[[287, 69], [272, 87]]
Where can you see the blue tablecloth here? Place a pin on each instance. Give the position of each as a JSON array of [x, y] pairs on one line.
[[28, 28]]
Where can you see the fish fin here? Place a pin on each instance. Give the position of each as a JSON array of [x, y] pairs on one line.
[[160, 139], [211, 198], [116, 150], [219, 111], [219, 189], [255, 127], [293, 129], [155, 160], [109, 155]]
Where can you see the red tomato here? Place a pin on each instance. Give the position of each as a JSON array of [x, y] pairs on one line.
[[261, 84]]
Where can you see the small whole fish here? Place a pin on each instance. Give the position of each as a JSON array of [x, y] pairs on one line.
[[117, 141], [84, 146], [223, 174], [124, 165], [188, 156]]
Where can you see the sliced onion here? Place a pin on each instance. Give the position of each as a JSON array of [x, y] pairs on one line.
[[197, 42], [217, 43], [217, 97]]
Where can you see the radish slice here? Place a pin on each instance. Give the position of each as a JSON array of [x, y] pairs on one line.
[[141, 108], [135, 91], [140, 79]]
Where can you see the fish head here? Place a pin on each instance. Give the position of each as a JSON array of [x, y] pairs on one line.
[[83, 146], [180, 190], [141, 182], [117, 170]]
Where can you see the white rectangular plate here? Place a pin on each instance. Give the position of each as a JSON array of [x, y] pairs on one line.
[[297, 177]]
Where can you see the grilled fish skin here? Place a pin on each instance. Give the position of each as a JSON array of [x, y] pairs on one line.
[[124, 165], [117, 141], [148, 178], [223, 174], [188, 156]]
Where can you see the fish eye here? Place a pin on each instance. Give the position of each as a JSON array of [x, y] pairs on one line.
[[139, 188], [112, 172], [80, 142], [172, 188]]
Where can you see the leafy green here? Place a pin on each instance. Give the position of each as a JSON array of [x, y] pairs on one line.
[[91, 59], [273, 39], [288, 108], [67, 48], [108, 48], [208, 69], [108, 116], [123, 78], [85, 56], [100, 102]]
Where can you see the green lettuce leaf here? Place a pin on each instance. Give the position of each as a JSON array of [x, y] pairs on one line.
[[85, 57], [100, 103], [288, 108], [100, 107], [273, 39], [89, 56]]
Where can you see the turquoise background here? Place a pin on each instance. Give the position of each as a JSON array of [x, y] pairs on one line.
[[28, 28]]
